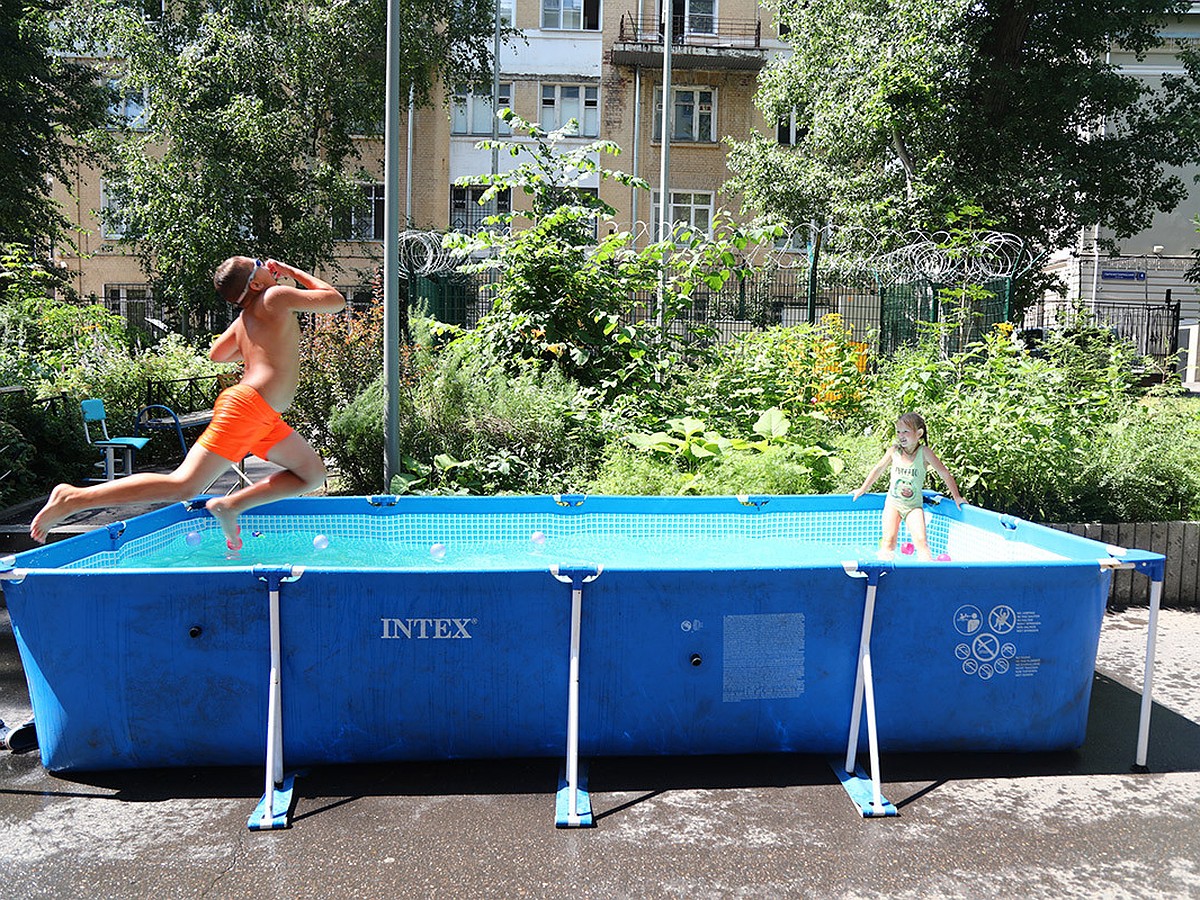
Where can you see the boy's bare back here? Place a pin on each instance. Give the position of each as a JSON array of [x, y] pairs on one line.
[[266, 336]]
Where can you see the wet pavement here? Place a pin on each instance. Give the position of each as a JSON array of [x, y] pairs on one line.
[[1071, 824]]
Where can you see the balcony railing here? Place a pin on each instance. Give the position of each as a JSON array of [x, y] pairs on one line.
[[693, 31]]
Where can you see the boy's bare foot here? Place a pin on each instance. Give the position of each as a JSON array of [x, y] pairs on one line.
[[229, 523], [58, 506]]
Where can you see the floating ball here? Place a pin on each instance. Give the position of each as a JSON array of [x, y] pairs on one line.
[[438, 551], [907, 549], [538, 538], [943, 557], [193, 539], [320, 542], [256, 534]]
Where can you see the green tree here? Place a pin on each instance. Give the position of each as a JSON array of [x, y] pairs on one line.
[[44, 99], [909, 110], [248, 140], [565, 296]]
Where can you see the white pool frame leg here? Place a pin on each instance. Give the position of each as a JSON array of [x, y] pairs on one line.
[[871, 803], [274, 808], [573, 802], [1155, 570], [1143, 740]]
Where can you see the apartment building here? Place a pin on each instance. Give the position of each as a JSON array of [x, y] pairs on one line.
[[1142, 269], [596, 62]]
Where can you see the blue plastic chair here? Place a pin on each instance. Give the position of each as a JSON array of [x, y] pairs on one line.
[[93, 414]]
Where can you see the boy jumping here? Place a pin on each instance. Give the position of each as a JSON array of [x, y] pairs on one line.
[[247, 418]]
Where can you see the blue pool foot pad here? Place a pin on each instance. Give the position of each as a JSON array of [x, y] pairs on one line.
[[583, 802], [281, 808], [858, 786]]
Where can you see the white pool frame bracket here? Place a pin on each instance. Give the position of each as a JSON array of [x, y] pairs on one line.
[[865, 790], [573, 803], [275, 808]]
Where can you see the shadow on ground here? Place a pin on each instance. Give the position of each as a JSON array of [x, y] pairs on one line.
[[1109, 750]]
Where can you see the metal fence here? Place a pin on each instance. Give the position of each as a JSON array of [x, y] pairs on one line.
[[885, 317], [1152, 328]]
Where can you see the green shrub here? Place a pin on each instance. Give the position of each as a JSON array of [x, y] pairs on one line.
[[1035, 435], [340, 356], [466, 425], [783, 469], [40, 446]]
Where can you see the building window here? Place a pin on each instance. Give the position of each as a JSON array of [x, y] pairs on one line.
[[128, 109], [563, 102], [788, 133], [467, 215], [506, 13], [132, 302], [692, 209], [365, 222], [359, 297], [701, 16], [693, 115], [114, 221], [571, 15], [472, 113]]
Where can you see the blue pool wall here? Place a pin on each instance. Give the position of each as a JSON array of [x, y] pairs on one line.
[[139, 668]]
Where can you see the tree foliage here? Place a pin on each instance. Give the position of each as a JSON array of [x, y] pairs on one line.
[[909, 110], [248, 142], [43, 99], [564, 295]]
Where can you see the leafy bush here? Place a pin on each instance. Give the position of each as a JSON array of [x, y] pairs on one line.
[[340, 356], [468, 426], [566, 298], [1037, 435], [40, 445], [811, 372], [1144, 466], [779, 469], [709, 463]]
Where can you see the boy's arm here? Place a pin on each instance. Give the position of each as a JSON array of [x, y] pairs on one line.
[[318, 295], [225, 348]]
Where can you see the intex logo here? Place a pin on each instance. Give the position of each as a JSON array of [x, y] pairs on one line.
[[427, 629]]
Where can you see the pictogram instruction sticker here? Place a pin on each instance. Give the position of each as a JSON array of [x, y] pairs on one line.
[[968, 619], [1002, 619], [987, 651]]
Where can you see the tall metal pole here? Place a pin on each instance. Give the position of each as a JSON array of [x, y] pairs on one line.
[[391, 251], [664, 170], [408, 157], [496, 93]]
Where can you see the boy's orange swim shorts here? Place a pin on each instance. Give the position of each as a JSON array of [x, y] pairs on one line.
[[243, 422]]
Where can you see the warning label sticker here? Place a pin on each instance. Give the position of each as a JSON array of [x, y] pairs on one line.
[[763, 657], [986, 647]]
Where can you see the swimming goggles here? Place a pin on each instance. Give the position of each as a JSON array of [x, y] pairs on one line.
[[258, 264]]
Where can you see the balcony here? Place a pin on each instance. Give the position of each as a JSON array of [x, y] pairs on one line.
[[698, 42]]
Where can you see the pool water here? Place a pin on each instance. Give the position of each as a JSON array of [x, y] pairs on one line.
[[523, 542]]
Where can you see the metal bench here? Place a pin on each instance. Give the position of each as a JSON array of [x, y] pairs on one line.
[[164, 399], [159, 417]]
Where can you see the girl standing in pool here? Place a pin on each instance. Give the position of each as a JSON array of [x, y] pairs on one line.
[[909, 458]]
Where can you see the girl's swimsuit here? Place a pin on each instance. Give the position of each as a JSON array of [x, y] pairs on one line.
[[242, 423], [908, 480]]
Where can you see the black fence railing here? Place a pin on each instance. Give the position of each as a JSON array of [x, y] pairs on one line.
[[187, 394], [1153, 328], [883, 317], [695, 29]]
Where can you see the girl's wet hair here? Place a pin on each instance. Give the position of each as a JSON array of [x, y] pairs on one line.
[[916, 423]]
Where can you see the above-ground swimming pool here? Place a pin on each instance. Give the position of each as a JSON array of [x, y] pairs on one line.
[[380, 629]]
